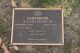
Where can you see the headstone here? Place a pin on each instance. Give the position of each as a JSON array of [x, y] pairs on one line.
[[37, 26]]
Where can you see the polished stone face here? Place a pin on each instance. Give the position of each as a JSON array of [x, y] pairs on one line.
[[30, 27]]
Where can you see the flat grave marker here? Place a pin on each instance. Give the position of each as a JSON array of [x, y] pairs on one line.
[[37, 26]]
